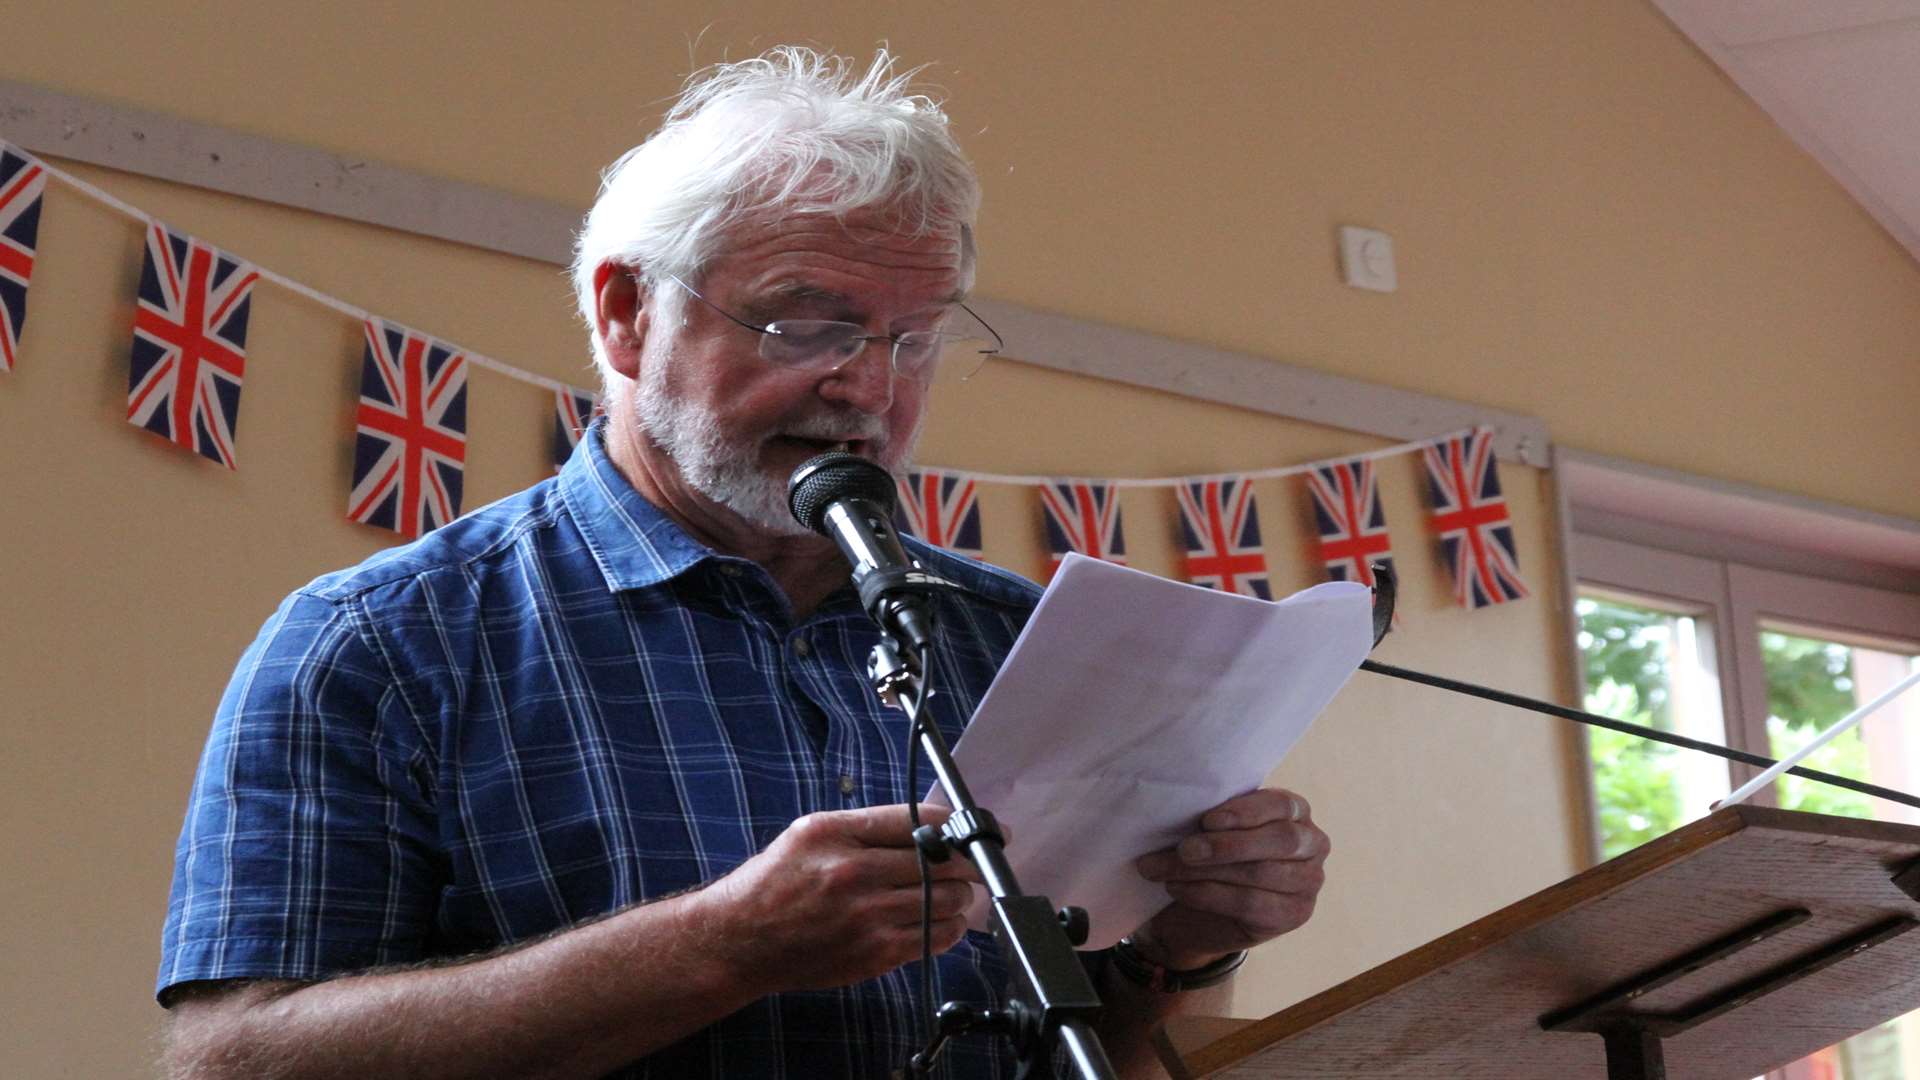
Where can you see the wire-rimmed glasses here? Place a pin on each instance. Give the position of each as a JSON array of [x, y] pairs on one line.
[[827, 344]]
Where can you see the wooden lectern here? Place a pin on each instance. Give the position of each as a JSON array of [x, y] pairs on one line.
[[1735, 945]]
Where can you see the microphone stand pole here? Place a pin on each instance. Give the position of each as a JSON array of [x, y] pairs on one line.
[[1049, 996]]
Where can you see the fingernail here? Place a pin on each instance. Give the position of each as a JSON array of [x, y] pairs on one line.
[[1196, 849], [1219, 820]]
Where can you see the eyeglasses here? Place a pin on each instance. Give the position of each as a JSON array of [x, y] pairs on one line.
[[827, 345]]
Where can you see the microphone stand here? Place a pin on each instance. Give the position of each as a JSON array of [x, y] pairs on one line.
[[1049, 996]]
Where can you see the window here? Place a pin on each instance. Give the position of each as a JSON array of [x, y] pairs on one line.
[[1648, 664], [1762, 660]]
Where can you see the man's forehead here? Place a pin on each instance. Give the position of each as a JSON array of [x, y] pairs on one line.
[[877, 236], [823, 259], [798, 288]]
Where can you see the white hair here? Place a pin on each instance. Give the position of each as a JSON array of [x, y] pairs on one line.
[[793, 131]]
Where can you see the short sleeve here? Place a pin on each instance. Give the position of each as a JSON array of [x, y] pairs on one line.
[[309, 842]]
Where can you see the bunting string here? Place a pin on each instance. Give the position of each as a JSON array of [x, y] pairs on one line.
[[1016, 480], [189, 352], [358, 314], [498, 367]]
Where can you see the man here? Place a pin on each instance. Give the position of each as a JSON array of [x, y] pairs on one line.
[[591, 781]]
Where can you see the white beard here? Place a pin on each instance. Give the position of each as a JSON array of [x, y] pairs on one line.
[[729, 471]]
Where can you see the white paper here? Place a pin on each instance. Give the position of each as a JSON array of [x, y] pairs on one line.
[[1131, 705]]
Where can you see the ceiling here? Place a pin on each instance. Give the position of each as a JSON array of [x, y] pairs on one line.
[[1842, 77]]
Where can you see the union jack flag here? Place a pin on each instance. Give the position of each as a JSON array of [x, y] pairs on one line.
[[1470, 515], [1083, 517], [22, 182], [1353, 528], [941, 508], [190, 343], [1221, 529], [573, 410], [409, 460]]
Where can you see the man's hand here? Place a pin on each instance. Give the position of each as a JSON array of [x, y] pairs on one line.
[[835, 899], [1250, 874]]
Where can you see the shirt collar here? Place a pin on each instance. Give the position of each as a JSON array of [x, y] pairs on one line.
[[635, 544]]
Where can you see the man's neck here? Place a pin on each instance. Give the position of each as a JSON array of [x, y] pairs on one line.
[[807, 568]]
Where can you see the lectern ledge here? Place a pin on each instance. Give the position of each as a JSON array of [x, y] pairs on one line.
[[1742, 942]]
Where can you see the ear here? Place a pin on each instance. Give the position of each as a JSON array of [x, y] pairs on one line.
[[620, 316]]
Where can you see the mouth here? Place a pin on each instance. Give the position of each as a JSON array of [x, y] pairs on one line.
[[812, 446]]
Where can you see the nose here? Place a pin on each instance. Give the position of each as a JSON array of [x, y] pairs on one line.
[[864, 382]]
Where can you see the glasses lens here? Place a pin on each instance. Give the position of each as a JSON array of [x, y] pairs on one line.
[[810, 343], [915, 354]]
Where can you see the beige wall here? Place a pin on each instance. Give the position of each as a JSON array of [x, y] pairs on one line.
[[1593, 228]]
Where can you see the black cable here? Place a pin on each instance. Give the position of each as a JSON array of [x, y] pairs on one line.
[[1642, 731], [917, 714]]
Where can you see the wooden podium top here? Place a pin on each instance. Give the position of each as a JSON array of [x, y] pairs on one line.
[[1470, 1004]]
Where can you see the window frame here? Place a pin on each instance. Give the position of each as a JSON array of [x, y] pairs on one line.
[[1740, 601]]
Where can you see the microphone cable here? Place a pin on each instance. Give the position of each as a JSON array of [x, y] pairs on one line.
[[918, 714]]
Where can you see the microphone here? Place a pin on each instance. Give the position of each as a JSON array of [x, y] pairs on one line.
[[850, 500]]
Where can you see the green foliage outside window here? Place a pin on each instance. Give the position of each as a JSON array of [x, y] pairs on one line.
[[1809, 688], [1627, 678]]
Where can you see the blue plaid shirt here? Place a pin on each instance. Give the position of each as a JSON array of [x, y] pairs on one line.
[[550, 709]]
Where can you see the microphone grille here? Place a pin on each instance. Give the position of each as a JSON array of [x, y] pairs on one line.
[[826, 478]]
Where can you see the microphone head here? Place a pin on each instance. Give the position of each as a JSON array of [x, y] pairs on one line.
[[825, 479]]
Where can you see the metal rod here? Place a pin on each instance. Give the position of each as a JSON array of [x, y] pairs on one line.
[[1634, 1053], [1655, 734], [1846, 724], [1608, 1007], [1026, 943], [1084, 1048]]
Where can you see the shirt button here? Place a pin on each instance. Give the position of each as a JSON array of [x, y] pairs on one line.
[[846, 785], [802, 648]]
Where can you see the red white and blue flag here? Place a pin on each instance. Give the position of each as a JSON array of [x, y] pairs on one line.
[[190, 343], [1353, 528], [1221, 530], [942, 508], [1082, 516], [409, 459], [22, 182], [1470, 516], [573, 410]]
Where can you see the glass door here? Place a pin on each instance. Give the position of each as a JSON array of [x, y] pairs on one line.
[[1812, 682]]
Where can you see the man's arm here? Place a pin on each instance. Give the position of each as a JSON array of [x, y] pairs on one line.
[[1130, 1012], [834, 900]]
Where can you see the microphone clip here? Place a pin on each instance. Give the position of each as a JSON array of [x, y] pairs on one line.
[[894, 673]]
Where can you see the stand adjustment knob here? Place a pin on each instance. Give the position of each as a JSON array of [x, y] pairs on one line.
[[1076, 923], [932, 843]]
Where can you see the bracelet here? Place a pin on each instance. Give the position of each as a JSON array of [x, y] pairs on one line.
[[1168, 980]]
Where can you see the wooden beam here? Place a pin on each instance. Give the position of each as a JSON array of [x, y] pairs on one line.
[[340, 185]]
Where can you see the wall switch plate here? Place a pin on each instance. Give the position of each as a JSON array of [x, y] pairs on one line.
[[1366, 259]]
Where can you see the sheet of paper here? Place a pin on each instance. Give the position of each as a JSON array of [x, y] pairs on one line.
[[1131, 705]]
